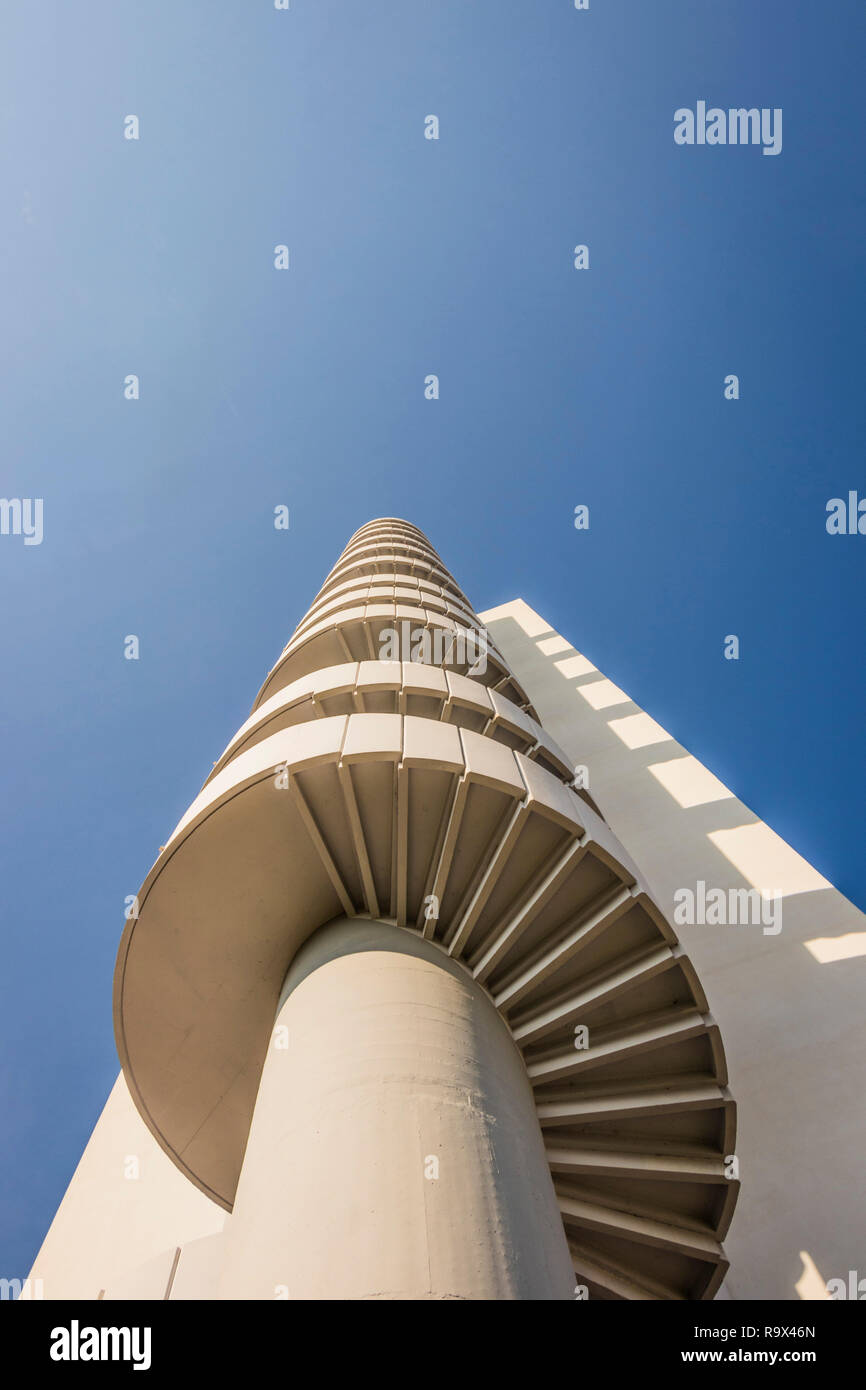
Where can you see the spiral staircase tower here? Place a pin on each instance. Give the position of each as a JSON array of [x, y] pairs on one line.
[[397, 998]]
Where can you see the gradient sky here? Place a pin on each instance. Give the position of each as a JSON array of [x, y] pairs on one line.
[[305, 387]]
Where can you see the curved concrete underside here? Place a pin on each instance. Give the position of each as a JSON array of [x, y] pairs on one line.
[[433, 800]]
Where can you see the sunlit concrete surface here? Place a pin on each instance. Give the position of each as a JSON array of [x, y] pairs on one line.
[[766, 861], [828, 949], [811, 1287], [571, 666], [689, 782], [638, 730]]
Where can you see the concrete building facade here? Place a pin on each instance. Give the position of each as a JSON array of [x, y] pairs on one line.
[[403, 1013]]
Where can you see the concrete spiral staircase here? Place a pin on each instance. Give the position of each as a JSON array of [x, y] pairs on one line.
[[429, 796]]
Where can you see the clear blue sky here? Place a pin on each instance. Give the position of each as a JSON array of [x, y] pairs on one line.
[[260, 387]]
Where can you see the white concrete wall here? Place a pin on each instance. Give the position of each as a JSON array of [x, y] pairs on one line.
[[116, 1235], [789, 1005]]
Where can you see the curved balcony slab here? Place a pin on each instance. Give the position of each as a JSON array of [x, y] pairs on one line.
[[390, 563], [359, 633], [394, 687]]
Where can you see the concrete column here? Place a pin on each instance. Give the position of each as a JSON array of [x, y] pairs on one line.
[[395, 1150]]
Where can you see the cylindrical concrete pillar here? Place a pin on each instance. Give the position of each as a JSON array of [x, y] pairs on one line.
[[395, 1151]]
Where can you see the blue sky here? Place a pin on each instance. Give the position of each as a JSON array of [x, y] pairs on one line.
[[259, 387]]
